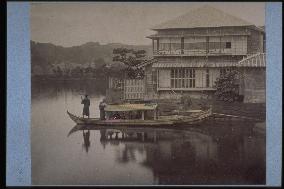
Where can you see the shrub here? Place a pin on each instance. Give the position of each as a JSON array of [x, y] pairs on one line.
[[227, 87]]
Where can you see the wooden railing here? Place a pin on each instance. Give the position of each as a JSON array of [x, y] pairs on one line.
[[255, 60], [199, 52]]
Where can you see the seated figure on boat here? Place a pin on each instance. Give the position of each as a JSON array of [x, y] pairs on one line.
[[116, 115], [102, 109]]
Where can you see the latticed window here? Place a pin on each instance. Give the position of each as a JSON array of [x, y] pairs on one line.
[[165, 46], [134, 89], [182, 78], [197, 45], [228, 45], [175, 46], [207, 78]]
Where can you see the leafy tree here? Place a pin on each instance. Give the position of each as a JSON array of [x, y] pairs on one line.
[[100, 62], [59, 72], [54, 71], [67, 72], [131, 58], [227, 86], [76, 72], [88, 70]]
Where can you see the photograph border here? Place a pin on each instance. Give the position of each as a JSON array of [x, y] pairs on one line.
[[18, 126]]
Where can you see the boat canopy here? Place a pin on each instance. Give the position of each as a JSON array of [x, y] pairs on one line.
[[129, 107]]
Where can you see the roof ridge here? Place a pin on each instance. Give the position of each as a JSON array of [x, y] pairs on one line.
[[229, 14], [193, 19]]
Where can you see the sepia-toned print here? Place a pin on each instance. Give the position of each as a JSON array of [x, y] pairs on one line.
[[148, 93]]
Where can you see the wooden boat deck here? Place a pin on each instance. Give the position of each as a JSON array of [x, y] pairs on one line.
[[162, 121]]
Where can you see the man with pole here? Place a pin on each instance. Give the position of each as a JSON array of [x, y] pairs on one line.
[[86, 102]]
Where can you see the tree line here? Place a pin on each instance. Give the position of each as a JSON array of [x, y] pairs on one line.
[[78, 72]]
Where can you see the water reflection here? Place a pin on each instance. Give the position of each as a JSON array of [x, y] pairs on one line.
[[226, 156], [87, 143]]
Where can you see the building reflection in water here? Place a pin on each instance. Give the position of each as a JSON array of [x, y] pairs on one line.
[[228, 156]]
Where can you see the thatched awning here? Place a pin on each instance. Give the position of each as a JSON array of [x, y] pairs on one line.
[[130, 107]]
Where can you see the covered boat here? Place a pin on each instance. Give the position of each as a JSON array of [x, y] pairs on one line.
[[128, 114]]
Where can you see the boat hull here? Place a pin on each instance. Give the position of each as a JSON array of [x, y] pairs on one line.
[[162, 121]]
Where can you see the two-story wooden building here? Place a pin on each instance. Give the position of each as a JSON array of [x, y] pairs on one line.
[[193, 50]]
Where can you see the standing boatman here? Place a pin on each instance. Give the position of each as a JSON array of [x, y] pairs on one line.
[[86, 103]]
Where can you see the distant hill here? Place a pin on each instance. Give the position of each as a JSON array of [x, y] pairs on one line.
[[46, 56]]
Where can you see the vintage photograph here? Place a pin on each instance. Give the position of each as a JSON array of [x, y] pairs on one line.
[[148, 93]]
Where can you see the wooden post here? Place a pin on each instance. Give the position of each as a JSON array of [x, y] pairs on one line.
[[182, 45], [143, 136], [170, 46], [124, 87], [109, 83], [263, 59], [153, 46], [158, 44], [143, 115], [158, 79], [220, 46]]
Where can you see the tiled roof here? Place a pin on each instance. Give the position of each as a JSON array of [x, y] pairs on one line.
[[256, 60], [146, 62], [205, 16], [262, 27], [190, 35]]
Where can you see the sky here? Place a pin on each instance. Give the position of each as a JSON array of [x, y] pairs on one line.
[[71, 23]]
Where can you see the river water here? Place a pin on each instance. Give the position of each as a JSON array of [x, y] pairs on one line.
[[220, 152]]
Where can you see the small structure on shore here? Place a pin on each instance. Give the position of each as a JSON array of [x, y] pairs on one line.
[[252, 78]]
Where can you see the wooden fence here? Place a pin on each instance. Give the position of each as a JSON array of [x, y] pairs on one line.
[[134, 89]]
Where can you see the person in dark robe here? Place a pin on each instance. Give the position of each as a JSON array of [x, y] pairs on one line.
[[86, 103], [102, 109]]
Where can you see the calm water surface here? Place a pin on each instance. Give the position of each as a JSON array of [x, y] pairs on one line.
[[212, 153]]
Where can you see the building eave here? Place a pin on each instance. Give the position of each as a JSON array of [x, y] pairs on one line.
[[145, 63], [200, 27], [194, 65]]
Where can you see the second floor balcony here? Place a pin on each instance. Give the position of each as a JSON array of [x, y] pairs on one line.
[[200, 52], [202, 46]]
